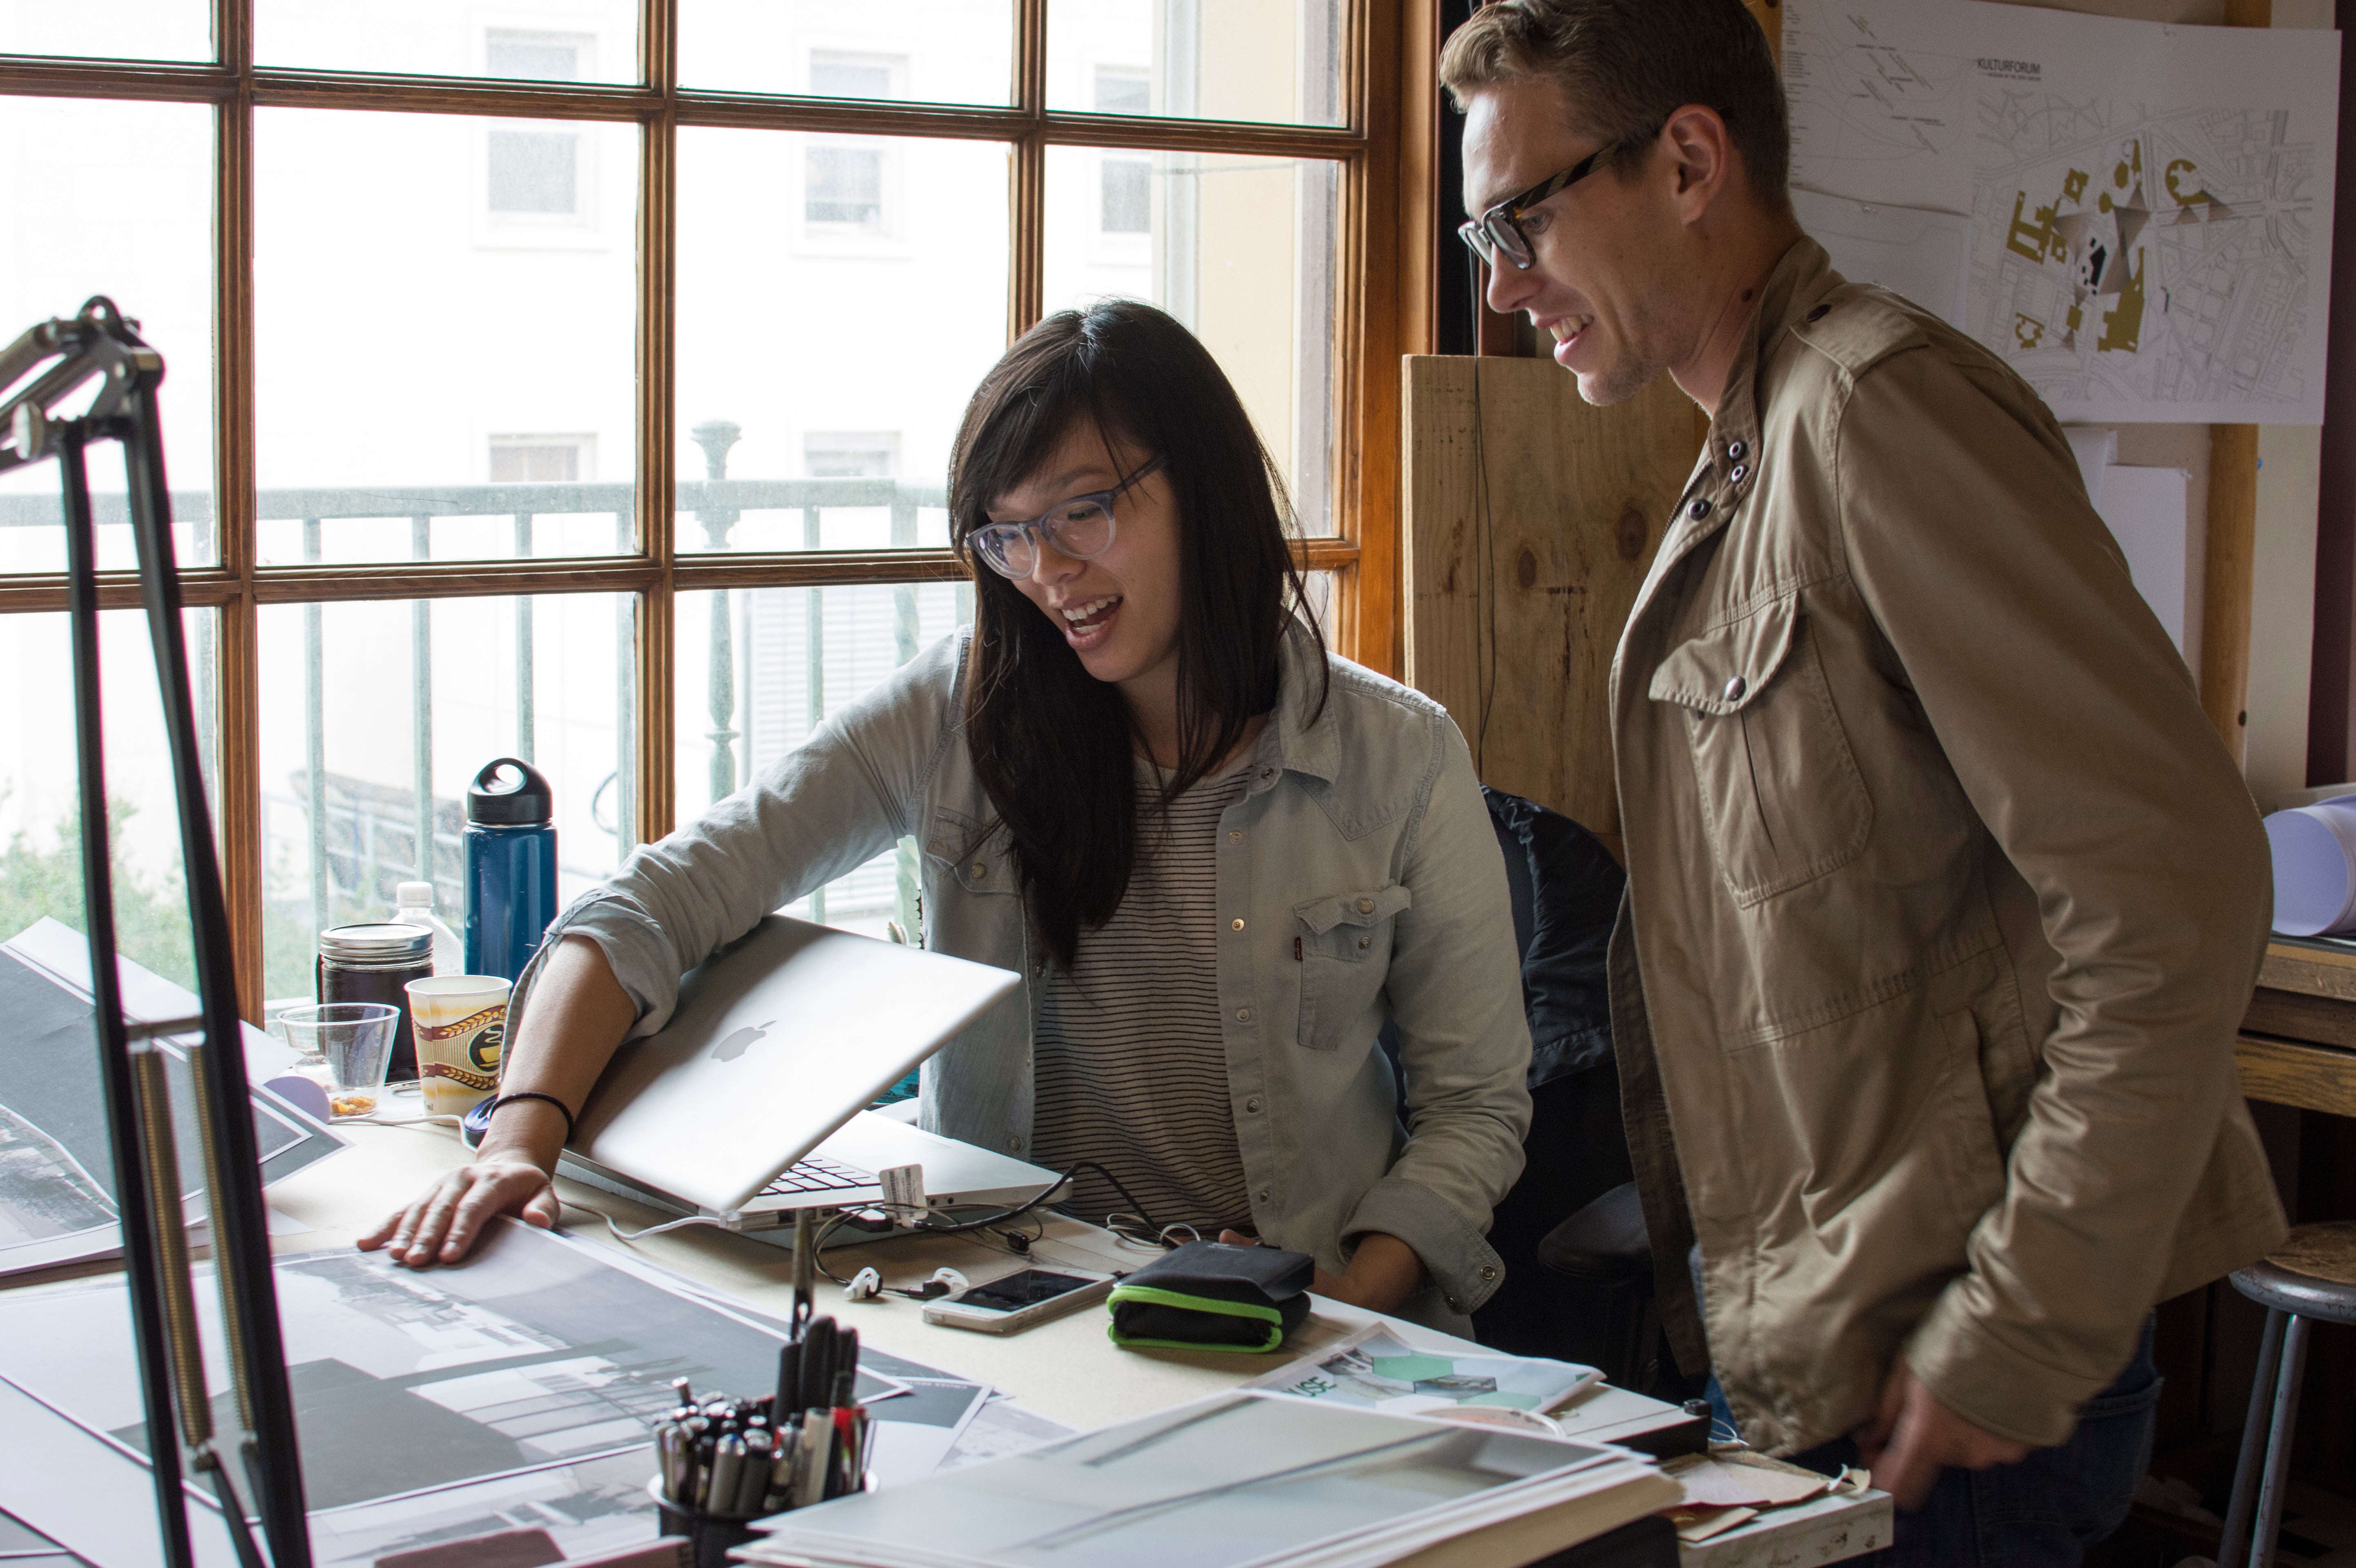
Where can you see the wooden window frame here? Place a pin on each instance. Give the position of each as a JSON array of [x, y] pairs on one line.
[[1383, 150]]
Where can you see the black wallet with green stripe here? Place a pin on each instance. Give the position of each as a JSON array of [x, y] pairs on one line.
[[1209, 1295]]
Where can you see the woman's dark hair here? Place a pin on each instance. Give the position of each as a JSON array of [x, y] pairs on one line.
[[1051, 744]]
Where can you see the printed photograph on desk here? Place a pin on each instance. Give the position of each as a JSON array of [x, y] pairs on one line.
[[1374, 1368], [56, 1169], [433, 1406]]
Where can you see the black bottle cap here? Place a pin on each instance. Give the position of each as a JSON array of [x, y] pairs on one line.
[[509, 792]]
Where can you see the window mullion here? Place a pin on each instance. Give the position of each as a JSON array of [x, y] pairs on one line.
[[1027, 204], [236, 681], [654, 788]]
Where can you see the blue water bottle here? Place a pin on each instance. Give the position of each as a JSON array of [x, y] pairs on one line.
[[510, 867]]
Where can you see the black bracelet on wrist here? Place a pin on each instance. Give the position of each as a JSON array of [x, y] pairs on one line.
[[535, 1094]]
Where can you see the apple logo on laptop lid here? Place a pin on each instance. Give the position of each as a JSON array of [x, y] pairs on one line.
[[736, 1041]]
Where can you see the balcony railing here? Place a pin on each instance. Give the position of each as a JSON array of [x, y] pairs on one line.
[[374, 833]]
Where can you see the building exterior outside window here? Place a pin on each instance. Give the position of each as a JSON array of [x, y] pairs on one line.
[[645, 515]]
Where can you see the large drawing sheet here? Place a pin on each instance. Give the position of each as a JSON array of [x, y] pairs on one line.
[[1239, 1478], [22, 1546], [2150, 205], [430, 1405], [56, 1168]]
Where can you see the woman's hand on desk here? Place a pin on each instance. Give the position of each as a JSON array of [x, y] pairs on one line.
[[1382, 1273], [441, 1224], [510, 1176], [579, 1014]]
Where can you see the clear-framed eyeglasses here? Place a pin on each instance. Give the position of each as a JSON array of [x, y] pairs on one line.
[[1081, 528], [1499, 232]]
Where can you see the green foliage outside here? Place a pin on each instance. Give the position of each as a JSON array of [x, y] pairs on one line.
[[151, 912]]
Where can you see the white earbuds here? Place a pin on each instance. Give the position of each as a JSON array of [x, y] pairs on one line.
[[867, 1285]]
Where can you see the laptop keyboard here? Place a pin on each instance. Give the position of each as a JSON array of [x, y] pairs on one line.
[[815, 1173]]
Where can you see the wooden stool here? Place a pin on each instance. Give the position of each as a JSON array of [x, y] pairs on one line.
[[2311, 1276]]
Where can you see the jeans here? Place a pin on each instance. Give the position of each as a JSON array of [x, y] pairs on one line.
[[2044, 1512]]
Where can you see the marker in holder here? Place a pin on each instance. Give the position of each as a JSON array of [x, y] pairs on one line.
[[722, 1463]]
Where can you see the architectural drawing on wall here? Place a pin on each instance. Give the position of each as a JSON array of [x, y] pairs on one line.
[[2150, 205], [1924, 255]]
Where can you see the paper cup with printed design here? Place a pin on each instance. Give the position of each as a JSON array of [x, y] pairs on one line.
[[461, 1024]]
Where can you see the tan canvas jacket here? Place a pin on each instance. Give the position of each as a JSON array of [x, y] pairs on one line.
[[1945, 900]]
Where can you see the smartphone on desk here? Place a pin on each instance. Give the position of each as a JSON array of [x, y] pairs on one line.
[[1021, 1300]]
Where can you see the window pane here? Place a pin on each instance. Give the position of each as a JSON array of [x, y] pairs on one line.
[[924, 51], [445, 322], [1272, 60], [41, 803], [830, 332], [370, 709], [555, 40], [121, 29], [1239, 249], [760, 668], [143, 236]]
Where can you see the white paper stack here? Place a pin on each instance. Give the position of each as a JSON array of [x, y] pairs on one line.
[[1374, 1368], [1245, 1479]]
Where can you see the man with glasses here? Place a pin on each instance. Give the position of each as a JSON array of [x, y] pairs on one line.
[[1944, 899]]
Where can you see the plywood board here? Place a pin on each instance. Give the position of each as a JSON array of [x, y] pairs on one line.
[[1530, 519]]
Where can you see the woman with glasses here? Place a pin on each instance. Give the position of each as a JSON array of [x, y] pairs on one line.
[[1220, 857]]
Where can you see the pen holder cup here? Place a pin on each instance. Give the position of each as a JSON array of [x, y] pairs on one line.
[[710, 1535]]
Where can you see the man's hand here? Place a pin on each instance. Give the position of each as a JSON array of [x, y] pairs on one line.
[[1383, 1272], [442, 1224], [1914, 1435]]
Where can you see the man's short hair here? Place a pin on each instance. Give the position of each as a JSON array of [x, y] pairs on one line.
[[1624, 65]]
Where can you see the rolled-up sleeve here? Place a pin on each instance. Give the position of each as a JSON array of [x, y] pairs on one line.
[[843, 797], [2073, 727], [1455, 995]]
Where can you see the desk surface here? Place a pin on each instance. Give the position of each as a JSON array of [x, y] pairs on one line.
[[1067, 1369]]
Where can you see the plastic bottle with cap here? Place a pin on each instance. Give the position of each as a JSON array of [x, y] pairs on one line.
[[510, 847], [412, 905]]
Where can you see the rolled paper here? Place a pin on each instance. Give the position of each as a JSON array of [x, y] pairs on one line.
[[2315, 867]]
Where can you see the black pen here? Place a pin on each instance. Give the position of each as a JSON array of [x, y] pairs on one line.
[[817, 1362], [790, 1383], [805, 1269]]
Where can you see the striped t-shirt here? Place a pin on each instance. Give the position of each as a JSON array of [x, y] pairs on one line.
[[1129, 1067]]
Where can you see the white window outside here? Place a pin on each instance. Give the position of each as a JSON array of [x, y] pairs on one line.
[[1124, 89], [836, 74], [1125, 195], [842, 188], [543, 459], [535, 171], [858, 454], [537, 174], [538, 57]]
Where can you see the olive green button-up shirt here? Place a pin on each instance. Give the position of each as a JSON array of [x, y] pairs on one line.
[[1945, 900]]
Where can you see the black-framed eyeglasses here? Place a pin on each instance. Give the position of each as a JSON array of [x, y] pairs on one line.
[[1081, 527], [1498, 232]]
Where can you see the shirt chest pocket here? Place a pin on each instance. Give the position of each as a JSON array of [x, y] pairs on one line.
[[962, 854], [1344, 943], [1780, 796]]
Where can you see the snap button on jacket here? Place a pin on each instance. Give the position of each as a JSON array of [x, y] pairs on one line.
[[1945, 900]]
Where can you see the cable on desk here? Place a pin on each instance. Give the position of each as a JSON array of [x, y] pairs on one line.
[[630, 1238]]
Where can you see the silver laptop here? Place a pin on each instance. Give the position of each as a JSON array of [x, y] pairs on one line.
[[751, 1102]]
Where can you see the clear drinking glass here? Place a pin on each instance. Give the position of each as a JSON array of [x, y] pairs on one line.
[[345, 1047]]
